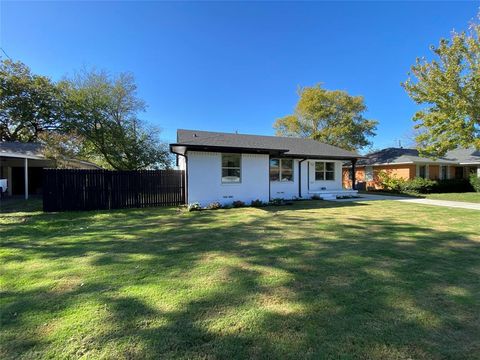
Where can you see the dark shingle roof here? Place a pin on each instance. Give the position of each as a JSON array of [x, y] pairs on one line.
[[33, 150], [401, 155], [465, 156], [289, 146]]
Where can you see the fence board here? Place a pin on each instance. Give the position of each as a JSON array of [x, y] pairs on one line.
[[74, 189]]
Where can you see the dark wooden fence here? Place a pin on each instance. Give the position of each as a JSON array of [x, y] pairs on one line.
[[70, 189]]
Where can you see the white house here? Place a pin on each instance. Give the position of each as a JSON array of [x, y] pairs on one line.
[[227, 167]]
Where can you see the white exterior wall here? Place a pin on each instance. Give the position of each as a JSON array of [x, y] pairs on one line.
[[205, 185], [289, 189], [327, 184], [286, 189]]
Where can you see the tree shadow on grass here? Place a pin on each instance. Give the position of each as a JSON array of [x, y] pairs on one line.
[[19, 204], [301, 286]]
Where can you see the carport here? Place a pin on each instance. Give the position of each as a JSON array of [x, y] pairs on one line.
[[22, 164]]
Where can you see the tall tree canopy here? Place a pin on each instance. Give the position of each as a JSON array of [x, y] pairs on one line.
[[333, 117], [449, 87], [29, 103], [104, 111], [92, 116]]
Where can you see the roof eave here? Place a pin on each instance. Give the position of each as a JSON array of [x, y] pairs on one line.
[[22, 156], [181, 149], [325, 157]]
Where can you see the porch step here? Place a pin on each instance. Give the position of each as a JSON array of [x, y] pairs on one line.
[[328, 197], [332, 194]]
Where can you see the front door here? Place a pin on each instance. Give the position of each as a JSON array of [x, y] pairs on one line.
[[458, 172]]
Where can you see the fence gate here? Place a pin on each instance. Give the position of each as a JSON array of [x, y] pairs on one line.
[[72, 189]]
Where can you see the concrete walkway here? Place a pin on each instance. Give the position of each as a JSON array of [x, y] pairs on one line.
[[453, 204]]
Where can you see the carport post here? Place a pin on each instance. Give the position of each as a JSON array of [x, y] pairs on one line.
[[26, 178]]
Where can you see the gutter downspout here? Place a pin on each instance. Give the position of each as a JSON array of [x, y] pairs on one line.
[[300, 177], [269, 182], [308, 177], [25, 164]]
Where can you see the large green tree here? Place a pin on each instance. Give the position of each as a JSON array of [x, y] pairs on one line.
[[333, 117], [448, 86], [29, 103], [104, 110]]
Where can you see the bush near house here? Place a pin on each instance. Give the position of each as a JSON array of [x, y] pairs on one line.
[[390, 182], [453, 185], [257, 203], [238, 204], [475, 182], [419, 186], [424, 186], [194, 206], [214, 205]]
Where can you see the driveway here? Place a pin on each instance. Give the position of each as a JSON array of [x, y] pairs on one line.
[[453, 204]]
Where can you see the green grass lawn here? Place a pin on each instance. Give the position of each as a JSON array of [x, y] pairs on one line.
[[364, 280], [472, 197]]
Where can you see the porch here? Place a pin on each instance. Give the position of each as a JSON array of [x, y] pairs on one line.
[[333, 194], [304, 178]]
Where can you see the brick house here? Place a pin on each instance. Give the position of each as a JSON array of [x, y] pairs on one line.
[[408, 164]]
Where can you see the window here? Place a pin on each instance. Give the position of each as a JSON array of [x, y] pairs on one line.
[[324, 171], [444, 172], [281, 170], [368, 173], [231, 171], [422, 171]]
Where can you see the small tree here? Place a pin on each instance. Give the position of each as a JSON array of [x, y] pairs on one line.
[[449, 87], [333, 117]]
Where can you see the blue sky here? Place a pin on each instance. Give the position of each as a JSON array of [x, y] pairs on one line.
[[237, 66]]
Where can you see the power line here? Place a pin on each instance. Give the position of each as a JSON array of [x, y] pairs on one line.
[[5, 53]]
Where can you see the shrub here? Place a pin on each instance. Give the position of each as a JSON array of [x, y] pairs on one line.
[[214, 205], [419, 185], [425, 186], [475, 182], [453, 185], [257, 203], [194, 207], [390, 182], [238, 204], [276, 201], [316, 197]]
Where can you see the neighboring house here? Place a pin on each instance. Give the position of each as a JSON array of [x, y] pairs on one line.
[[408, 164], [228, 167], [21, 165]]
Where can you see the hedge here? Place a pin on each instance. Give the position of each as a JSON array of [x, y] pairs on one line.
[[425, 186]]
